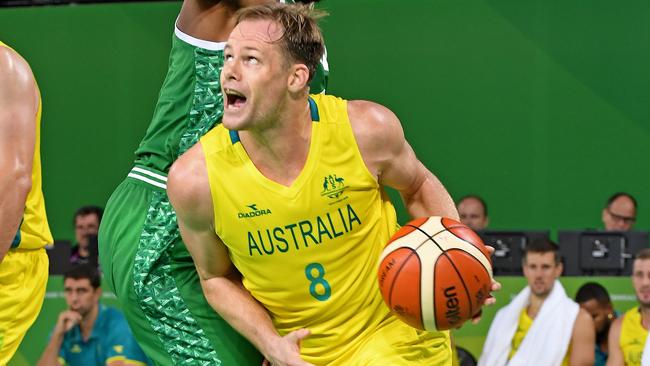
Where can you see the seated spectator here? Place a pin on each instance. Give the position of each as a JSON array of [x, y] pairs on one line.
[[86, 224], [541, 325], [628, 333], [594, 298], [89, 333], [620, 212], [473, 212]]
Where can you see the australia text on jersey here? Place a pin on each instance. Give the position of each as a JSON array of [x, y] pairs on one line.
[[302, 234]]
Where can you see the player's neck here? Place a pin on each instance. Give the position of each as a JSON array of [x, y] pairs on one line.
[[87, 323], [280, 148], [534, 305]]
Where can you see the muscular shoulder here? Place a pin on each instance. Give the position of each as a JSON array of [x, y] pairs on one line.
[[583, 319], [188, 186], [18, 92], [377, 130], [15, 73]]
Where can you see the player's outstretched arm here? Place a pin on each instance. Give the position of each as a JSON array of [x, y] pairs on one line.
[[583, 340], [615, 354], [391, 159], [189, 192], [19, 101]]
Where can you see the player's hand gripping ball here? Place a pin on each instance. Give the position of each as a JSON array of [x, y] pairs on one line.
[[435, 273]]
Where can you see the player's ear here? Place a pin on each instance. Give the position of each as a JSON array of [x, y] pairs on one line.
[[98, 293], [559, 269], [298, 78]]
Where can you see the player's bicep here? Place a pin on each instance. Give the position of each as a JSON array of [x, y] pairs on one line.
[[584, 338], [382, 144], [403, 171]]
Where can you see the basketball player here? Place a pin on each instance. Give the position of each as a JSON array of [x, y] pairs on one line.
[[288, 192], [541, 325], [628, 333], [24, 229], [141, 253]]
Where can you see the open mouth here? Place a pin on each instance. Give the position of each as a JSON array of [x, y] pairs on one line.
[[234, 98]]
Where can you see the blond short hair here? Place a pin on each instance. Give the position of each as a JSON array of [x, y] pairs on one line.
[[302, 40]]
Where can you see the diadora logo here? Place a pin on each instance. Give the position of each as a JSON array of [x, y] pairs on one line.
[[333, 186], [254, 212]]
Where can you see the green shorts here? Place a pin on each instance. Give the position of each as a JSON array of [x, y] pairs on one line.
[[150, 270]]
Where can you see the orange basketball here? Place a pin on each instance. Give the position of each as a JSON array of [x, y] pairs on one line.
[[435, 273]]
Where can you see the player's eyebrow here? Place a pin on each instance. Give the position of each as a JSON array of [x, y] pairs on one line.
[[244, 48]]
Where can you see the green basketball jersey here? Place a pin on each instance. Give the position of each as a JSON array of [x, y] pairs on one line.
[[190, 101]]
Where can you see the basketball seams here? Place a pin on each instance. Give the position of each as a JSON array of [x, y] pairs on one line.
[[397, 244], [461, 226], [471, 250], [489, 273], [402, 242], [443, 252], [456, 242], [485, 270], [398, 271], [396, 276]]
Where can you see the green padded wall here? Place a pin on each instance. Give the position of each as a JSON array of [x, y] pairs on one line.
[[542, 107]]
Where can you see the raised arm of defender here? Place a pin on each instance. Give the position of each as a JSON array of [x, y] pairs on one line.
[[18, 108]]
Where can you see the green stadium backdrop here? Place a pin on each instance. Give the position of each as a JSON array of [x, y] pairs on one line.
[[542, 107]]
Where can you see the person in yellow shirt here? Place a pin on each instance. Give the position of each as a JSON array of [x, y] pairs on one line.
[[24, 230], [288, 192], [628, 333]]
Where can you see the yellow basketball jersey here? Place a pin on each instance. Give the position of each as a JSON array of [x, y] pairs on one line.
[[633, 336], [34, 231], [309, 252], [525, 322]]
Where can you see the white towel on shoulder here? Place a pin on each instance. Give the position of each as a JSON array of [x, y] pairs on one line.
[[547, 340], [645, 358]]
